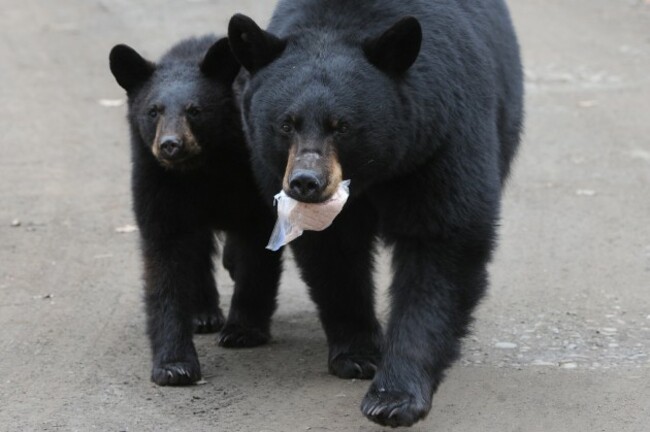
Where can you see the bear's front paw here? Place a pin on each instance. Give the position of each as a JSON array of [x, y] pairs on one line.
[[176, 373], [208, 322], [238, 336], [354, 365], [393, 408]]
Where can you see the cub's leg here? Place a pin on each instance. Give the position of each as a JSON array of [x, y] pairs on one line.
[[178, 276]]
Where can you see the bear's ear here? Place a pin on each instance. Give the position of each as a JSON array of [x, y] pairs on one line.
[[129, 68], [395, 50], [220, 63], [253, 47]]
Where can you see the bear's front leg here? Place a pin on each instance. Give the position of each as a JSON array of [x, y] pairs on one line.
[[435, 288], [337, 265], [178, 272]]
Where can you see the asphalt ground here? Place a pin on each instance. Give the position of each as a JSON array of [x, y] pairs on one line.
[[560, 344]]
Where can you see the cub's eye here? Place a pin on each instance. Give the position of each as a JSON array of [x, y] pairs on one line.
[[193, 111], [286, 127], [153, 112], [343, 128]]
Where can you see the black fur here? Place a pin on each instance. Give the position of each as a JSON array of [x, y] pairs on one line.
[[427, 147], [180, 200]]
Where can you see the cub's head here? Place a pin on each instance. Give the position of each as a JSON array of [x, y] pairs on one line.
[[179, 107], [322, 106]]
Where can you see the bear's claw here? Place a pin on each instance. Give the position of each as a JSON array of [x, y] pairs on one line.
[[176, 374], [208, 322], [238, 336], [393, 408]]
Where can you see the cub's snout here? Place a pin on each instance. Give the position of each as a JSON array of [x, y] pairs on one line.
[[174, 143]]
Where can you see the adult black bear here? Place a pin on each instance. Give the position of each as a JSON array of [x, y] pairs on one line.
[[419, 103], [191, 175]]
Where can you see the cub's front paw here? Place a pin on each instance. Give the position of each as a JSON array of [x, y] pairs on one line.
[[393, 407], [176, 373], [238, 336], [208, 322]]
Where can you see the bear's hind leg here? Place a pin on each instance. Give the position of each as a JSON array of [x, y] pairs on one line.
[[206, 313], [256, 272], [229, 256]]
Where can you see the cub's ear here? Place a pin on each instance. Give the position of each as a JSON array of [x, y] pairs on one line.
[[396, 50], [128, 67], [220, 63], [253, 47]]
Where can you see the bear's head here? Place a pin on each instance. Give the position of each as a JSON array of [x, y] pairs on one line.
[[181, 106], [320, 106]]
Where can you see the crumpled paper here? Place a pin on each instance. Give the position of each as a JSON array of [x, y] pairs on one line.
[[294, 217]]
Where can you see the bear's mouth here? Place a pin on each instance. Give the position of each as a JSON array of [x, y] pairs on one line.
[[185, 157], [180, 163], [310, 199]]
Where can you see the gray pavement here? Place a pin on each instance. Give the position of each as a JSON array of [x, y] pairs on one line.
[[560, 344]]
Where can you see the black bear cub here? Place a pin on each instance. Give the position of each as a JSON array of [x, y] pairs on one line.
[[191, 176], [419, 104]]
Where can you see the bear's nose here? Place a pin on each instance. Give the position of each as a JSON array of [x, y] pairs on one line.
[[305, 185], [171, 146]]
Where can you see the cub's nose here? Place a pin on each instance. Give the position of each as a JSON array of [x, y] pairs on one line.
[[171, 147], [305, 185]]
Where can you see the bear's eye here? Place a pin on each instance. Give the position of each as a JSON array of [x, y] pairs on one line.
[[193, 111], [153, 112], [286, 127], [343, 128]]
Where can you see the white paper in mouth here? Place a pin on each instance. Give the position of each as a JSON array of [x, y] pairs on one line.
[[294, 217]]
